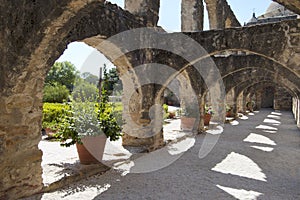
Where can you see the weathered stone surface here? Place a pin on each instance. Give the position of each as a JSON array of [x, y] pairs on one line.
[[192, 15], [35, 33], [147, 9], [220, 15], [282, 99]]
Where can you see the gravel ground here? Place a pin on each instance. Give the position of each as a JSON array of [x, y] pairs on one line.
[[256, 157]]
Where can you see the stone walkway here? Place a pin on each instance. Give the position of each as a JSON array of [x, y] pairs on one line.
[[256, 157]]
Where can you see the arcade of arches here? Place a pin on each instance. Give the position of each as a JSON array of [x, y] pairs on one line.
[[259, 62]]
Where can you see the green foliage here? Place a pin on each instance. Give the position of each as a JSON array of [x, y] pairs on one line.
[[228, 108], [84, 90], [90, 78], [166, 113], [55, 93], [63, 73], [208, 110], [117, 109], [111, 81], [52, 115]]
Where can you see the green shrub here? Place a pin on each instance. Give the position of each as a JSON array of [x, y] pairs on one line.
[[55, 93], [166, 113], [52, 114]]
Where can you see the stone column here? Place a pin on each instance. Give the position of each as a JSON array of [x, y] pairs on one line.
[[144, 121], [244, 102], [143, 112], [20, 133], [216, 14], [220, 15], [192, 15], [146, 9], [233, 102]]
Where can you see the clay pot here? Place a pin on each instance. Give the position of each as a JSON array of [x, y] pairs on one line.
[[207, 118], [92, 149], [187, 123], [171, 115], [229, 114]]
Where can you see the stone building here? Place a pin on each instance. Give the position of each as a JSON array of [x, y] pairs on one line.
[[274, 13], [34, 34]]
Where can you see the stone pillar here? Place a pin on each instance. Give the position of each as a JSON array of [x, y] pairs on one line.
[[241, 103], [201, 101], [144, 121], [143, 112], [147, 9], [244, 102], [220, 15], [231, 100], [216, 14], [192, 15], [20, 133]]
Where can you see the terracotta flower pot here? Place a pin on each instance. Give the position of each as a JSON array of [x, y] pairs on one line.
[[207, 118], [229, 114], [92, 149], [171, 115], [187, 123]]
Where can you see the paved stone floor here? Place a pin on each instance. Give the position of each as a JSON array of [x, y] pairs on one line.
[[256, 157]]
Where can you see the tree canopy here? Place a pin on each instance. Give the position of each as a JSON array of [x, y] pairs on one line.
[[63, 73]]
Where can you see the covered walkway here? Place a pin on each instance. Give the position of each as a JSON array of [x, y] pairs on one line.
[[257, 157]]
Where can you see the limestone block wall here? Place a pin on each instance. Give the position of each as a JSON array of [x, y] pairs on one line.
[[282, 99]]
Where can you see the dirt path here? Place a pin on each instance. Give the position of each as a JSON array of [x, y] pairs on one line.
[[256, 158]]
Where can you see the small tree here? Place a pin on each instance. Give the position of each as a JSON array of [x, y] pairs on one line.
[[63, 73], [111, 80]]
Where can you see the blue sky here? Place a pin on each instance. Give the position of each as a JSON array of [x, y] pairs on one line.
[[86, 58]]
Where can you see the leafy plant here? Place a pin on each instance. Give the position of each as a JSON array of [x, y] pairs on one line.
[[209, 110], [88, 118], [228, 108], [166, 108]]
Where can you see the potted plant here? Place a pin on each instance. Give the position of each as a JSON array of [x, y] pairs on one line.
[[188, 117], [207, 116], [228, 110], [88, 124]]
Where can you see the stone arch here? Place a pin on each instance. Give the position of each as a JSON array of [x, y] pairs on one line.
[[281, 47], [21, 93], [258, 86], [244, 80], [236, 78]]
